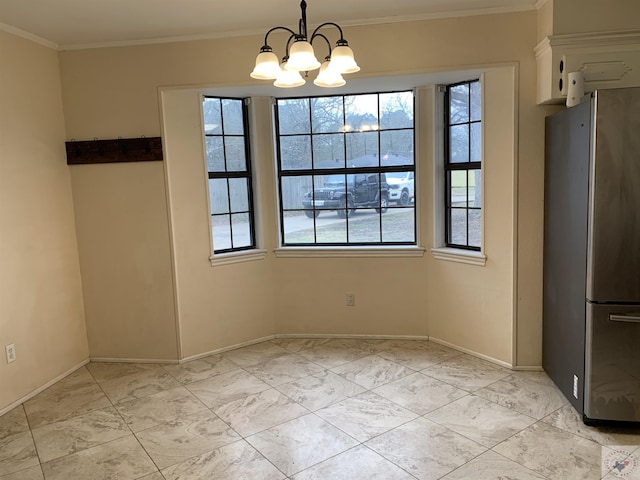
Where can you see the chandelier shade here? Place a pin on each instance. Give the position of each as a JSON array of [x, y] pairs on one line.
[[299, 56]]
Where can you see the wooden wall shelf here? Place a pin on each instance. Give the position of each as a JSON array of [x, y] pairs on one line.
[[114, 151]]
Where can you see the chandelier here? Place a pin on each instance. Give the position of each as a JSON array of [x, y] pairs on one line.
[[300, 57]]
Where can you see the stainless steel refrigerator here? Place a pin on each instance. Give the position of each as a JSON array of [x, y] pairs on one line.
[[591, 313]]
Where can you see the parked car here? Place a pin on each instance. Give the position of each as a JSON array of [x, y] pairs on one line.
[[361, 190], [401, 189]]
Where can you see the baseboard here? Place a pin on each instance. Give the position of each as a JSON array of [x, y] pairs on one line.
[[355, 336], [134, 360], [226, 349], [528, 368], [472, 353], [35, 392]]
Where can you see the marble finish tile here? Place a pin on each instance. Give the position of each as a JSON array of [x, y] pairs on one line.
[[182, 438], [320, 390], [359, 463], [122, 459], [491, 466], [419, 393], [283, 369], [31, 473], [159, 408], [79, 433], [237, 461], [553, 453], [152, 476], [296, 345], [258, 412], [539, 377], [74, 395], [366, 415], [480, 420], [255, 354], [227, 387], [17, 452], [12, 422], [531, 398], [372, 371], [105, 371], [301, 443], [418, 355], [566, 418], [467, 372], [424, 449], [201, 369], [139, 385], [330, 355]]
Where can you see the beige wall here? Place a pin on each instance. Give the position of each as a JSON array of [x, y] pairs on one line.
[[41, 310], [113, 92], [123, 238], [585, 16]]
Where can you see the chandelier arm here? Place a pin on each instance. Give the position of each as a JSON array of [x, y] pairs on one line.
[[266, 43], [325, 39], [324, 25]]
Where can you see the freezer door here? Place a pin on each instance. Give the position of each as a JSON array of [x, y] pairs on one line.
[[612, 376], [613, 270]]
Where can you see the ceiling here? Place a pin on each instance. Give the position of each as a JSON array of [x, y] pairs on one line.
[[73, 24]]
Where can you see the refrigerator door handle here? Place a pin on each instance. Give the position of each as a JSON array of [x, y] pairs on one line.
[[624, 318]]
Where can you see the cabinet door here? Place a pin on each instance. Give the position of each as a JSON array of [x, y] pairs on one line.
[[612, 380]]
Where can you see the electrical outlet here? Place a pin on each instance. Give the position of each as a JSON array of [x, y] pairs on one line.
[[351, 299], [11, 353], [575, 386]]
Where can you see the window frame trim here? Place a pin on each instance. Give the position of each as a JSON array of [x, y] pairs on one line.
[[442, 251], [339, 249], [245, 253]]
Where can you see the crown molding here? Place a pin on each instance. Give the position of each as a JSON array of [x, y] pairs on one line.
[[28, 36]]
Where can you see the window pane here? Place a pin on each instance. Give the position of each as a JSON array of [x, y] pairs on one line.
[[459, 144], [364, 226], [362, 149], [293, 116], [398, 225], [220, 225], [327, 114], [212, 116], [396, 110], [458, 188], [475, 188], [459, 103], [401, 187], [219, 195], [235, 152], [241, 230], [298, 228], [361, 112], [458, 226], [475, 228], [232, 117], [239, 194], [296, 192], [476, 142], [335, 231], [476, 102], [295, 152], [329, 192], [328, 151], [396, 147], [215, 154]]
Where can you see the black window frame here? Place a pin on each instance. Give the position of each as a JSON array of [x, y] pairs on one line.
[[450, 167], [231, 174], [283, 173]]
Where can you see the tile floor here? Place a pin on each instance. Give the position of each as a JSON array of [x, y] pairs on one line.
[[308, 409]]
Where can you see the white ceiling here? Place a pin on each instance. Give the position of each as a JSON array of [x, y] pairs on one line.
[[71, 24]]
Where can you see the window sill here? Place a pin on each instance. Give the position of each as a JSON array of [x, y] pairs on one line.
[[237, 257], [459, 255], [350, 252]]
